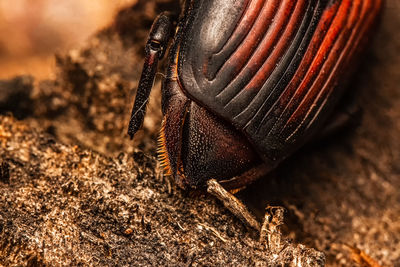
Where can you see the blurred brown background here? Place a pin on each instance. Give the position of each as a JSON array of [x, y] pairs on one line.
[[32, 31]]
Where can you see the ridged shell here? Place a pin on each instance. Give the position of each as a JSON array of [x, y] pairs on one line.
[[275, 68]]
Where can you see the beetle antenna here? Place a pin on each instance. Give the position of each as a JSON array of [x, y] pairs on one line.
[[157, 42]]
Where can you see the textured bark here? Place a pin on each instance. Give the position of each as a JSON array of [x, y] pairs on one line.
[[74, 189]]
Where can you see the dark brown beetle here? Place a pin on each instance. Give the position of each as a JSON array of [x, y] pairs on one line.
[[248, 82]]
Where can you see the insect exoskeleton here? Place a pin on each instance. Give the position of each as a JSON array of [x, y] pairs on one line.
[[249, 82]]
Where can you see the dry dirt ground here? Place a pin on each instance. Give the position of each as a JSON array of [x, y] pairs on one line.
[[74, 190]]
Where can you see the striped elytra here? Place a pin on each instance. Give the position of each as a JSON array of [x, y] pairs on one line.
[[250, 81]]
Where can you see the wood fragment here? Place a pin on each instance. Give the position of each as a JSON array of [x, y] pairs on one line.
[[232, 204]]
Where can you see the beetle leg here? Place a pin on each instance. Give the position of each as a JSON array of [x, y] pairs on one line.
[[159, 36], [233, 204], [343, 118]]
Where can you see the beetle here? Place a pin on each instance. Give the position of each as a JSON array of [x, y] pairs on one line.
[[248, 82]]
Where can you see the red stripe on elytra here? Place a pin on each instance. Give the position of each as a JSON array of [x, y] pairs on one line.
[[365, 20], [249, 45], [315, 42], [288, 93], [270, 63], [324, 61]]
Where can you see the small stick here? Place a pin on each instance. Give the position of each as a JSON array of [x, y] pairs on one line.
[[233, 204]]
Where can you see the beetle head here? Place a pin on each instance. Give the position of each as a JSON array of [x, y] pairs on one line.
[[196, 146]]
